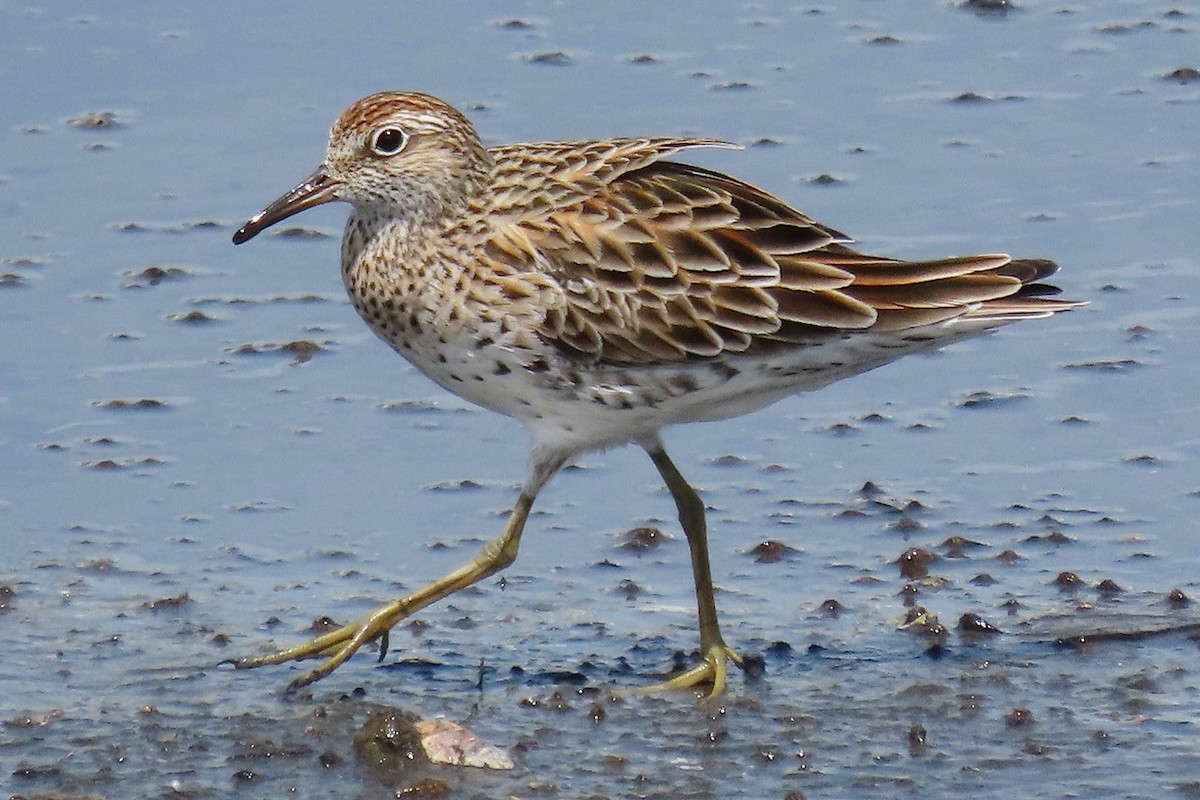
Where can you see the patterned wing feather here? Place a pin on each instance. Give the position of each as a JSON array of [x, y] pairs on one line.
[[662, 262]]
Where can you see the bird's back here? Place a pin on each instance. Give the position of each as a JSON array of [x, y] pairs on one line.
[[662, 262]]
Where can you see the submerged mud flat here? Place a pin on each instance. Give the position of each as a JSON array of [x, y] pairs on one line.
[[966, 574], [849, 700]]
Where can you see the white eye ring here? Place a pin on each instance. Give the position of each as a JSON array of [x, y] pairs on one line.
[[388, 141]]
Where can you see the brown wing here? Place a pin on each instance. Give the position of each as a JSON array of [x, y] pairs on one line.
[[670, 262]]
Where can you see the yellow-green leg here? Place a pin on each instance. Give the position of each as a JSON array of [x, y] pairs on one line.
[[338, 645], [713, 649]]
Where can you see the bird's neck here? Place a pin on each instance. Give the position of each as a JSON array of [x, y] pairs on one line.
[[391, 255]]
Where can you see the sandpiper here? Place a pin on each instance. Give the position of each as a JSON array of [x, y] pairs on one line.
[[598, 291]]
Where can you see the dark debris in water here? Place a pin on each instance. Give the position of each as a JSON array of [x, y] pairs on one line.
[[924, 623], [461, 485], [824, 179], [905, 525], [1068, 581], [1105, 364], [513, 24], [96, 120], [1008, 557], [973, 98], [957, 546], [193, 317], [26, 261], [417, 405], [1053, 537], [1080, 630], [123, 463], [389, 741], [984, 398], [1018, 718], [1139, 331], [914, 563], [416, 757], [644, 537], [988, 7], [1183, 75], [323, 624], [152, 275], [301, 232], [302, 350], [772, 551], [897, 508], [31, 721], [36, 771], [234, 300], [552, 58], [256, 506], [165, 603], [133, 226], [870, 489], [556, 701], [628, 589], [973, 627], [1131, 26], [132, 404], [832, 607], [916, 740], [731, 86]]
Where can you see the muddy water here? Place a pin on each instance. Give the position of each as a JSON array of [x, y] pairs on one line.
[[204, 450]]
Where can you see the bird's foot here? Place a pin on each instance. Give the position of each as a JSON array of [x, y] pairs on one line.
[[335, 646], [712, 670]]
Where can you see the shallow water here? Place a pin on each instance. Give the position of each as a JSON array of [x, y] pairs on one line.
[[183, 483]]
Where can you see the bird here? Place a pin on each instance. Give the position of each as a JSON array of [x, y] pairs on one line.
[[598, 291]]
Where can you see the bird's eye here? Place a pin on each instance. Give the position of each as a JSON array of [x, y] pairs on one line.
[[388, 141]]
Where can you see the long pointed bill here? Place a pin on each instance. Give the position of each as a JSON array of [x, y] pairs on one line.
[[314, 190]]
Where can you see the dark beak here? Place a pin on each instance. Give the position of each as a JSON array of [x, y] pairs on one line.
[[314, 190]]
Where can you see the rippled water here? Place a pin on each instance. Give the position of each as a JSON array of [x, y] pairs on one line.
[[204, 450]]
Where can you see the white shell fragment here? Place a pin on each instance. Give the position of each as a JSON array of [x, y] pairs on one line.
[[446, 742]]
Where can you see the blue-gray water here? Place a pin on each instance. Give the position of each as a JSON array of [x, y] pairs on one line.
[[158, 441]]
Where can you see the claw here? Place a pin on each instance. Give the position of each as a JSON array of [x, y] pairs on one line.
[[335, 647], [339, 644], [712, 669]]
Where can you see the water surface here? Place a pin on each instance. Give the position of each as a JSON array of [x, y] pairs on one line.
[[182, 482]]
